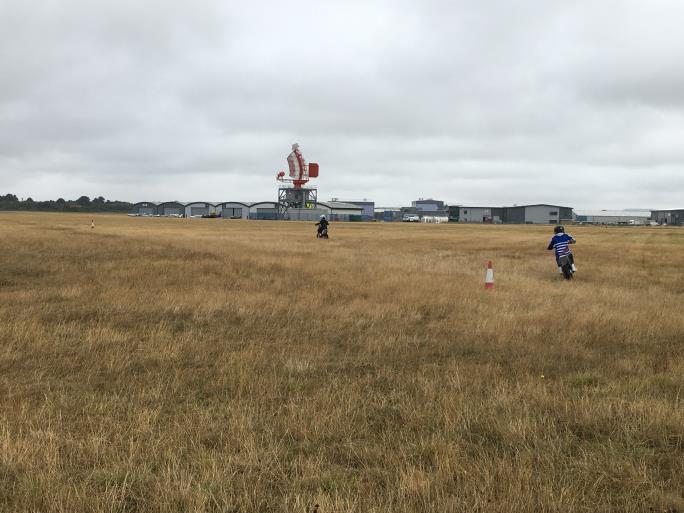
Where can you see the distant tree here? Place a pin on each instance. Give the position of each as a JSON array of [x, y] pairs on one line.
[[82, 204]]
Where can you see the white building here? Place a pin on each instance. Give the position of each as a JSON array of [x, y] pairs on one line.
[[613, 217]]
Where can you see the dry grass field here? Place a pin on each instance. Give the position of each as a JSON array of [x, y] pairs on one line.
[[171, 365]]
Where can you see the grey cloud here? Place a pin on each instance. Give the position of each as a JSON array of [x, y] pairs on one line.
[[474, 102]]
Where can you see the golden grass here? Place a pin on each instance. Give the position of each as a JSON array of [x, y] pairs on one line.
[[170, 365]]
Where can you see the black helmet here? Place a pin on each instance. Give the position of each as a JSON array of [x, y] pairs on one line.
[[559, 229]]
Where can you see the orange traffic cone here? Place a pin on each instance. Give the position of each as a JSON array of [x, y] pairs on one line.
[[489, 278]]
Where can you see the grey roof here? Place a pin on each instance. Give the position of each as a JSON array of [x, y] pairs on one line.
[[339, 205], [511, 206], [211, 203], [359, 202], [538, 205], [471, 206], [612, 213]]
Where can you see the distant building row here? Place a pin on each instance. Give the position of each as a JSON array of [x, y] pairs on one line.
[[517, 214], [529, 214], [420, 209], [266, 210]]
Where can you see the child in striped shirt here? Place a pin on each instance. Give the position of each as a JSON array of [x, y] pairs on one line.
[[561, 244]]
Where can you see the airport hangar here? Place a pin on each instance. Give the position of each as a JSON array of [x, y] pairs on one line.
[[264, 210]]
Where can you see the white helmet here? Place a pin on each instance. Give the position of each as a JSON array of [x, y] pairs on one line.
[[323, 216]]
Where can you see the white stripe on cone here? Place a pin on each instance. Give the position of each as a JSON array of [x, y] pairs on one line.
[[489, 278]]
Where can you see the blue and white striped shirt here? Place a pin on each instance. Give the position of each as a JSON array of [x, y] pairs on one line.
[[561, 244]]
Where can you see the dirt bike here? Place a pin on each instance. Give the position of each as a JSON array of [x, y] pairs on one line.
[[322, 233], [566, 262]]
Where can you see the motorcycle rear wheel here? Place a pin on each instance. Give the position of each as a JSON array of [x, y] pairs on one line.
[[567, 272]]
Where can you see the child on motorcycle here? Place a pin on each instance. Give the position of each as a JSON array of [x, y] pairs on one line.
[[322, 225], [561, 244]]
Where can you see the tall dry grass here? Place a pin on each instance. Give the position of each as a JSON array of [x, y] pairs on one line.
[[170, 365]]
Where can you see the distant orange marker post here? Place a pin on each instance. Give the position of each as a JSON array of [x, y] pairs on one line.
[[489, 277]]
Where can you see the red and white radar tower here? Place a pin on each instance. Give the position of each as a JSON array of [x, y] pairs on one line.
[[292, 195]]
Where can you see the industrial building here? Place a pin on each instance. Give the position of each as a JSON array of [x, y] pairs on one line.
[[388, 214], [341, 211], [537, 214], [428, 205], [620, 217], [424, 208], [368, 208], [466, 214], [333, 210], [668, 217], [517, 214]]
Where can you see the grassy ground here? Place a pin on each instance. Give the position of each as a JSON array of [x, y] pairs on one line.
[[170, 365]]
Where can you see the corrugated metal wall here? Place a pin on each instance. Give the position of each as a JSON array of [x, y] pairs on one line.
[[542, 214]]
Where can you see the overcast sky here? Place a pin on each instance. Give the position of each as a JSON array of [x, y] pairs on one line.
[[473, 102]]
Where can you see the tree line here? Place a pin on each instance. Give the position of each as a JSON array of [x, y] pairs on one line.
[[82, 204]]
